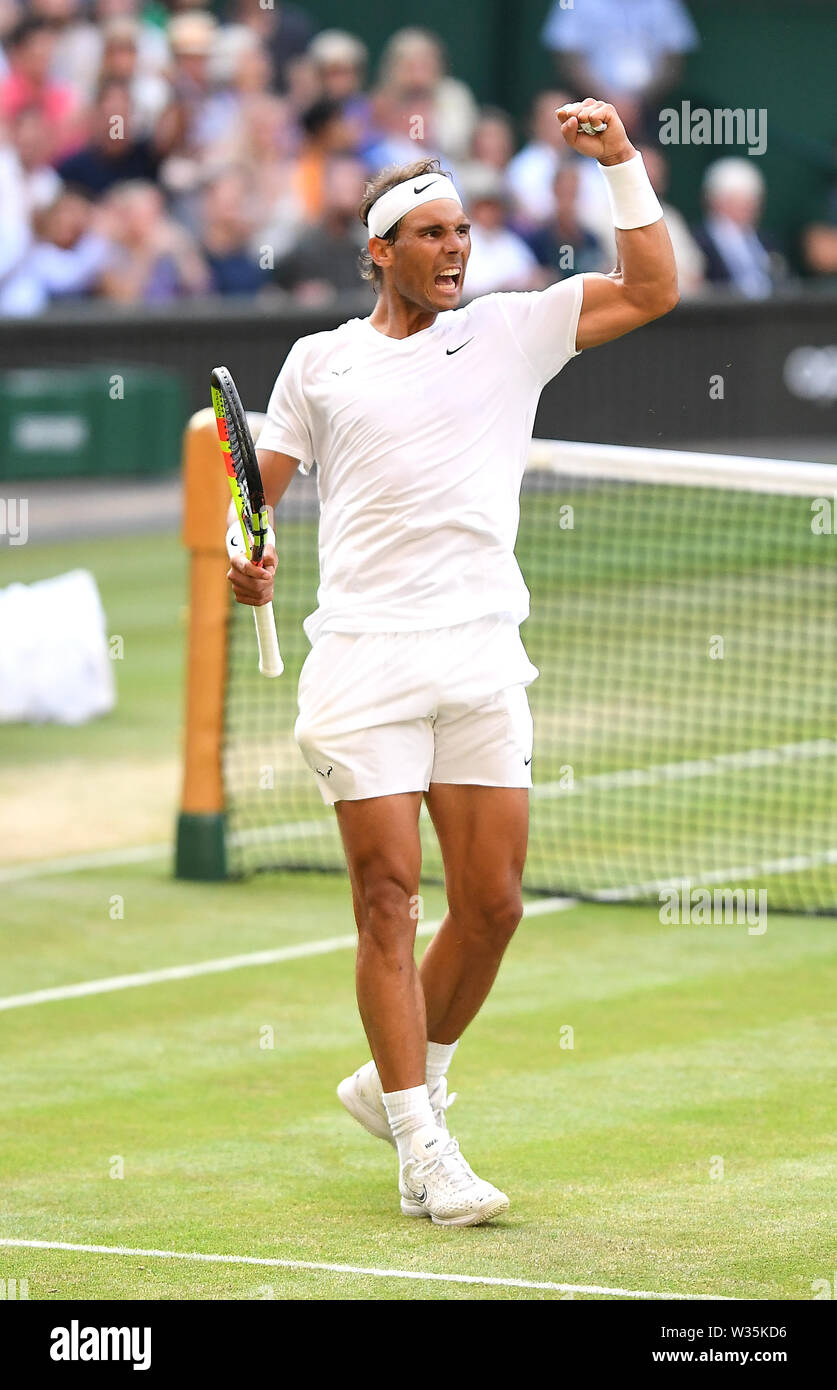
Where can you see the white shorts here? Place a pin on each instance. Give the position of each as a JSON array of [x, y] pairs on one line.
[[388, 712]]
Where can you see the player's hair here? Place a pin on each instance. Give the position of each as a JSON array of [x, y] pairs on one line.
[[388, 178]]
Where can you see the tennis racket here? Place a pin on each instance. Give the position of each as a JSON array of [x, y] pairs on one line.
[[248, 495]]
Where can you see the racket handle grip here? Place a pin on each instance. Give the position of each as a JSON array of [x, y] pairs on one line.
[[270, 661]]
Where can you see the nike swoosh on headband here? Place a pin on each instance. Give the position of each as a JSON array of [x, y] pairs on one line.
[[398, 201]]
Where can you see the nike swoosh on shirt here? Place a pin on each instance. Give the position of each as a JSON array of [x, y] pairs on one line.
[[343, 373], [416, 188], [451, 351]]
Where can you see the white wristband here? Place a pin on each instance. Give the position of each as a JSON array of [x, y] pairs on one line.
[[633, 202], [235, 540]]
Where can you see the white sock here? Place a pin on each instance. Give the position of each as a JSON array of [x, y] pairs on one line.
[[407, 1111], [439, 1058]]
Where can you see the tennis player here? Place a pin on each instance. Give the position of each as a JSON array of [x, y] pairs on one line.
[[419, 418]]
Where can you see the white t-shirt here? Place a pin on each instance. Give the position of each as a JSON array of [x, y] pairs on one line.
[[420, 445]]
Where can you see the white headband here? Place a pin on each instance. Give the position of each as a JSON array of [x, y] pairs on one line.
[[398, 201]]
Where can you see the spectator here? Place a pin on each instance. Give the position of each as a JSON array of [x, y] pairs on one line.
[[228, 224], [340, 61], [64, 261], [287, 30], [564, 246], [492, 146], [77, 45], [325, 132], [493, 139], [32, 139], [155, 261], [262, 148], [302, 84], [240, 62], [114, 153], [262, 144], [8, 19], [265, 134], [239, 72], [120, 62], [153, 53], [14, 218], [737, 255], [500, 259], [819, 246], [30, 49], [260, 130], [690, 260], [414, 62], [135, 92], [629, 54], [324, 258], [531, 173], [190, 124], [403, 130], [819, 240]]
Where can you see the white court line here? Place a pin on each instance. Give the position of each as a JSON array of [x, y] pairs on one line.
[[141, 854], [221, 964], [607, 781], [76, 863], [538, 907], [485, 1280], [692, 767], [736, 874]]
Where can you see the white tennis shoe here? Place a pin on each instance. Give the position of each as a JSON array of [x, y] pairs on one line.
[[436, 1181], [362, 1096]]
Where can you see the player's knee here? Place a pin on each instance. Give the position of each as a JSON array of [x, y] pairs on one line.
[[492, 911], [384, 901], [503, 912]]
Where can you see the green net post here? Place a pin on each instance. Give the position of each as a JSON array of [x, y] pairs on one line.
[[201, 847]]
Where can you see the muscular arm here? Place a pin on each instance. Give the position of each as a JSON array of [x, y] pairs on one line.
[[277, 472], [644, 284], [641, 288]]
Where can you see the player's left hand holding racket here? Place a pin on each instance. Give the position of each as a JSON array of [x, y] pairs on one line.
[[245, 482]]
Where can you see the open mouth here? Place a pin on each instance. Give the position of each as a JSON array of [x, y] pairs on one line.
[[448, 280]]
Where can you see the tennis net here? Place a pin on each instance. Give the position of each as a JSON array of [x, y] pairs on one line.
[[684, 622]]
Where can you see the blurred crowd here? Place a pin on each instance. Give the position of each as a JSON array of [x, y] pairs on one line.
[[152, 152]]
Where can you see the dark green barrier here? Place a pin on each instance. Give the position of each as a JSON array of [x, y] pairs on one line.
[[82, 421], [721, 373]]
